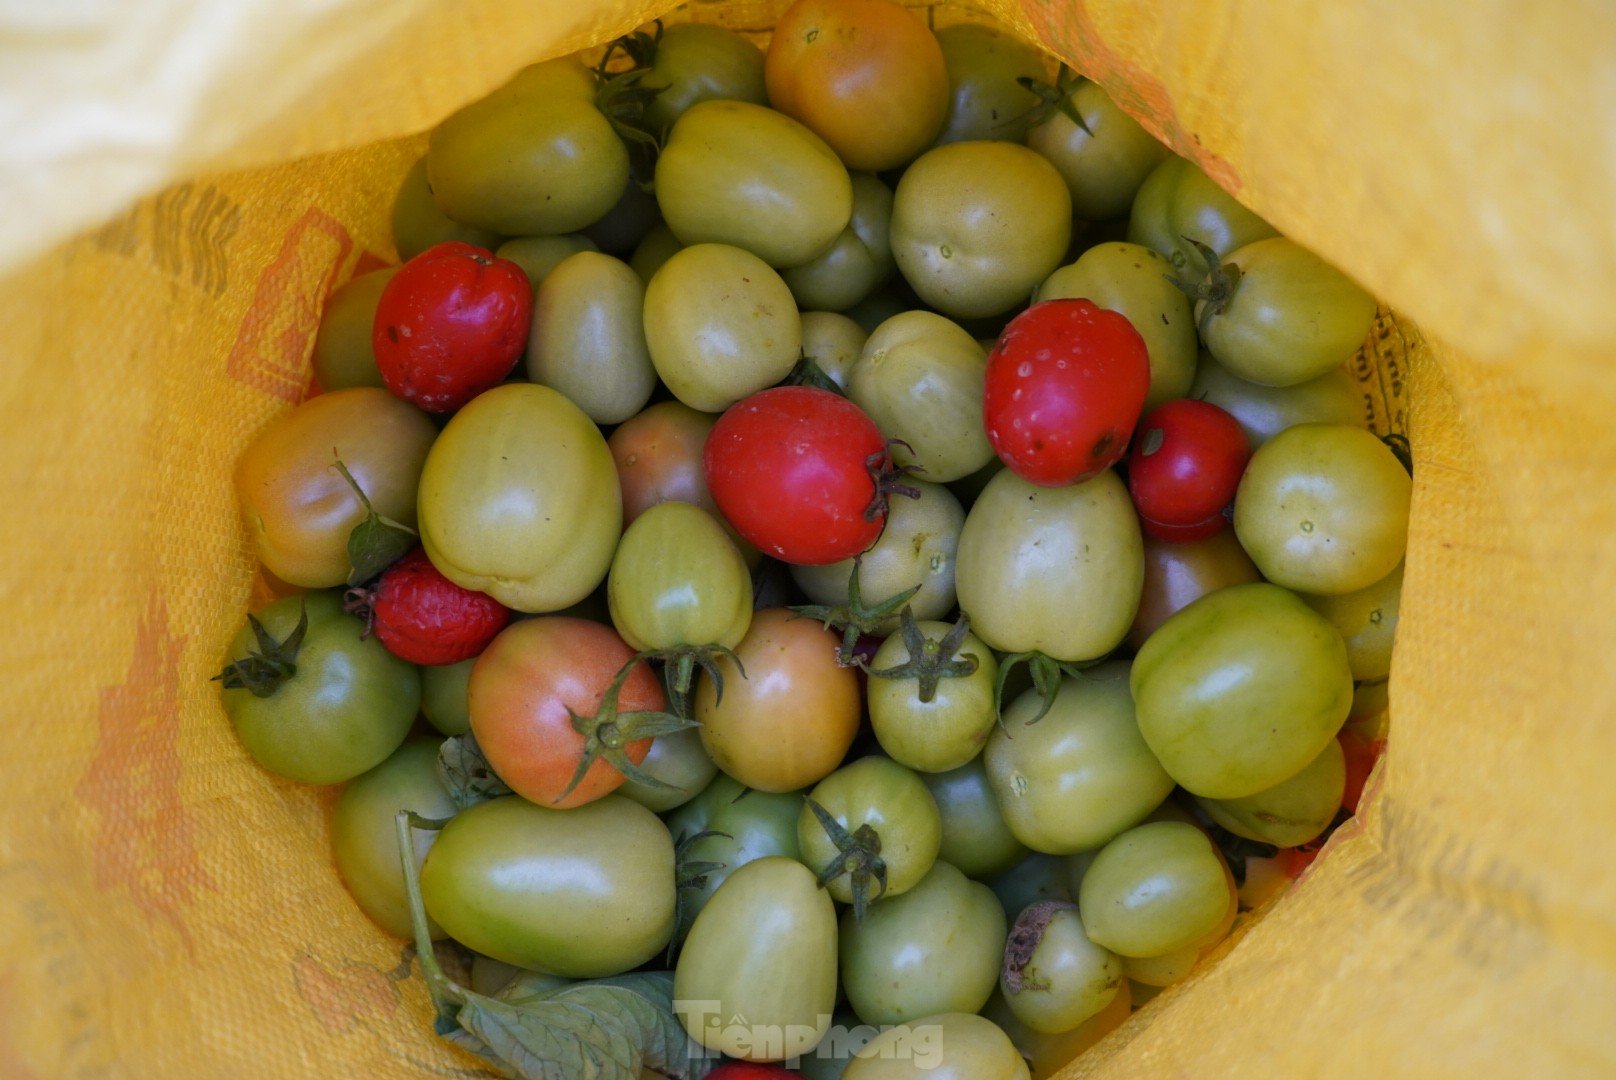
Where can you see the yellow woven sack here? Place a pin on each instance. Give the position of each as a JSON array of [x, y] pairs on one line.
[[169, 909]]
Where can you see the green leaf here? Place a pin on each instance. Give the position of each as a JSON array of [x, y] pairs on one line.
[[375, 544], [466, 774]]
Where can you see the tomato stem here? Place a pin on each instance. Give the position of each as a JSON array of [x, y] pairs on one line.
[[858, 855], [854, 617], [930, 660], [447, 996], [608, 734], [263, 672], [1046, 673]]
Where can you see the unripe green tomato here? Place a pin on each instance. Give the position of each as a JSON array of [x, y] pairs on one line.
[[677, 579], [1133, 279], [975, 838], [949, 730], [950, 1046], [736, 173], [984, 99], [1291, 812], [1367, 619], [1103, 162], [1240, 690], [1283, 315], [916, 547], [920, 379], [588, 337], [519, 499], [364, 833], [418, 223], [936, 948], [1082, 774], [757, 976], [832, 341], [1032, 558], [1048, 1055], [1054, 977], [622, 227], [857, 261], [1264, 411], [977, 225], [1323, 509], [743, 824], [720, 325], [892, 800], [584, 893], [443, 696], [696, 62], [343, 355], [1156, 888], [1178, 203], [1036, 877], [679, 761], [538, 255], [533, 158], [655, 248]]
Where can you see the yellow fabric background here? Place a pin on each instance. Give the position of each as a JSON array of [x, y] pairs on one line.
[[168, 909]]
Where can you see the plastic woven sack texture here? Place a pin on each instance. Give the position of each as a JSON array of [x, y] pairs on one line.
[[167, 908]]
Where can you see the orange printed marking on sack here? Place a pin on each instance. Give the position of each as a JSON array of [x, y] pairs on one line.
[[1067, 25], [343, 997], [144, 840]]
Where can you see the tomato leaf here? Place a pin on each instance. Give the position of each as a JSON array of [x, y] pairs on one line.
[[375, 544], [466, 774]]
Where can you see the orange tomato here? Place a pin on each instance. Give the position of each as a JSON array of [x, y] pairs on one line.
[[524, 690], [789, 721], [866, 76], [658, 456]]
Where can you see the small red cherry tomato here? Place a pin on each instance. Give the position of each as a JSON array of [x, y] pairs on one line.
[[798, 471], [1065, 385], [423, 617], [450, 324], [1185, 465]]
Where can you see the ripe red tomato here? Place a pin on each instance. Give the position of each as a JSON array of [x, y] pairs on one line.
[[1361, 755], [1065, 385], [423, 617], [450, 324], [1186, 463], [524, 690], [796, 470], [751, 1070]]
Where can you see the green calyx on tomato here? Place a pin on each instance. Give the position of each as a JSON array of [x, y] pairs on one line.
[[264, 671], [1056, 97], [858, 856], [1046, 673], [608, 733], [930, 659], [855, 617], [690, 872]]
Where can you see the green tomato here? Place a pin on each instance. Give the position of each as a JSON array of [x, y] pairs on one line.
[[857, 261], [533, 158], [1036, 877], [880, 306], [1240, 690], [977, 225], [343, 355], [519, 499], [655, 248], [951, 728], [895, 804], [833, 342], [1156, 888], [917, 546], [746, 825], [1175, 967], [418, 223], [1367, 620], [1323, 508], [1081, 775], [490, 976], [1103, 161], [1054, 977], [936, 948], [583, 893], [679, 761], [948, 1046], [1264, 411], [1134, 280], [696, 62], [1048, 1055], [677, 579], [829, 1060], [622, 227], [538, 255], [984, 99], [346, 706], [920, 379], [975, 837], [720, 325], [1178, 203], [1030, 557], [443, 696], [1278, 315], [757, 976], [737, 173], [1292, 812], [364, 835], [588, 337]]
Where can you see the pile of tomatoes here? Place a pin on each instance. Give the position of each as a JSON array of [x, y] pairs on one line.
[[870, 532]]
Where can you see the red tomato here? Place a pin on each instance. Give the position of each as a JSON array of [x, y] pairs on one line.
[[795, 469], [423, 617], [1065, 385], [523, 692], [450, 324], [1361, 755], [1187, 460], [747, 1070]]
